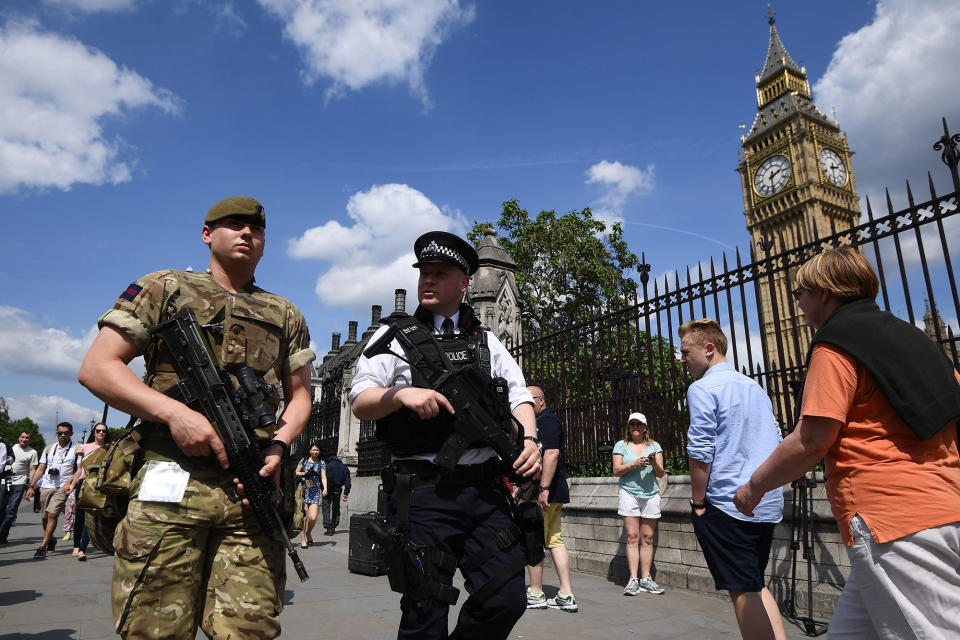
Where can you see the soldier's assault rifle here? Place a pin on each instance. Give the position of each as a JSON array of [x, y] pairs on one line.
[[223, 405]]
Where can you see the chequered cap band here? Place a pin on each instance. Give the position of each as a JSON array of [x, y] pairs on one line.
[[433, 249]]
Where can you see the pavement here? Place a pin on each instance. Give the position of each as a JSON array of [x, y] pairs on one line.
[[62, 599]]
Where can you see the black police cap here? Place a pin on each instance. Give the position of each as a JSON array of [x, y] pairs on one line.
[[440, 247]]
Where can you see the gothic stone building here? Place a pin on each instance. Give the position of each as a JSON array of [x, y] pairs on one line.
[[797, 184]]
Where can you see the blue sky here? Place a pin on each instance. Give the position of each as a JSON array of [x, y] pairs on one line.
[[361, 124]]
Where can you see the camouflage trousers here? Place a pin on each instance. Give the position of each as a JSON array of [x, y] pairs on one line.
[[203, 562]]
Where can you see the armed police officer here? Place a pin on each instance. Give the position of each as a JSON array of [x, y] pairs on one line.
[[188, 552], [458, 516]]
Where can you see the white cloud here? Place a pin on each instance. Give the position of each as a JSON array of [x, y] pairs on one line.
[[54, 93], [356, 44], [891, 81], [46, 411], [372, 257], [619, 181], [94, 5], [28, 348]]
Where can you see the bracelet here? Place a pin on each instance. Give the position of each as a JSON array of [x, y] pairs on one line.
[[694, 505], [286, 447]]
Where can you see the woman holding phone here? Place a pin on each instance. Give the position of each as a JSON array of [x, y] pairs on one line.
[[638, 462]]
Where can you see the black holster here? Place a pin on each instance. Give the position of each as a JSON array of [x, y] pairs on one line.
[[529, 519]]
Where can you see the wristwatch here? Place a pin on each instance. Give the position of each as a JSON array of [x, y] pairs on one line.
[[535, 441], [694, 505], [541, 488]]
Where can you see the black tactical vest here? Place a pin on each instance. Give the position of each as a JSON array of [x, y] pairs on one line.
[[403, 431]]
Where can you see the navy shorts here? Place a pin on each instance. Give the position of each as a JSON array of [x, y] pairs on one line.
[[736, 551]]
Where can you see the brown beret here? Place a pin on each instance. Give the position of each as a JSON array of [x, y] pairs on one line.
[[236, 207]]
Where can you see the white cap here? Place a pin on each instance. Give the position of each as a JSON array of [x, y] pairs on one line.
[[637, 416]]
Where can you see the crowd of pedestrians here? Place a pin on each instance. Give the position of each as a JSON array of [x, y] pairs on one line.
[[880, 406]]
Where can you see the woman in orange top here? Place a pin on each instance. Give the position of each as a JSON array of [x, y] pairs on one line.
[[880, 404]]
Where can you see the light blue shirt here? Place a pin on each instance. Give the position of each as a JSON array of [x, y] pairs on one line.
[[732, 427], [642, 481]]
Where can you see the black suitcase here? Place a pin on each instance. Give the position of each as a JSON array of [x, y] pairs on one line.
[[366, 556]]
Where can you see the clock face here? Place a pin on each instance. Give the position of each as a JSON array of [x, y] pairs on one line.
[[833, 167], [772, 175]]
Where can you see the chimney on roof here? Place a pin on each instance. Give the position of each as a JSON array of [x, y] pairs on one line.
[[400, 300], [351, 331], [335, 341], [375, 312]]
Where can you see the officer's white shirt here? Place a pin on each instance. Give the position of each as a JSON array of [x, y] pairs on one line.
[[386, 370]]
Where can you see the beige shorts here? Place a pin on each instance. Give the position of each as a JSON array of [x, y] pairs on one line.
[[52, 501], [551, 526]]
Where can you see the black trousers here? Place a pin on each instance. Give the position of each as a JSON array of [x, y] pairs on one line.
[[330, 508], [462, 520]]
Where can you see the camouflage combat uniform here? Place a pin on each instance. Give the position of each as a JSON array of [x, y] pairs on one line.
[[205, 560]]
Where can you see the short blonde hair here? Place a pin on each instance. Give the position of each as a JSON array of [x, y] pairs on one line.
[[703, 331], [843, 272]]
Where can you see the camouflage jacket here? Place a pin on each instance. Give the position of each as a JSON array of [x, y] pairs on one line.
[[260, 329]]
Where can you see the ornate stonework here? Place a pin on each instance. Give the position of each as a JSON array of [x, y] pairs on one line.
[[493, 292]]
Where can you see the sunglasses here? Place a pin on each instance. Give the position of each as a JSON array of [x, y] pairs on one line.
[[99, 430], [64, 433]]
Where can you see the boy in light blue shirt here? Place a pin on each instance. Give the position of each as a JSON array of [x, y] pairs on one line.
[[732, 431]]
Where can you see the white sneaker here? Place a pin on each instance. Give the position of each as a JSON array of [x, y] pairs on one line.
[[633, 586], [563, 602], [536, 600], [648, 585]]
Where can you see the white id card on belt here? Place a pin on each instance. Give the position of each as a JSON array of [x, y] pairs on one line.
[[164, 481]]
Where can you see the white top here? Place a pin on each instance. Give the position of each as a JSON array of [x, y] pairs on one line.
[[23, 459], [57, 457], [385, 370]]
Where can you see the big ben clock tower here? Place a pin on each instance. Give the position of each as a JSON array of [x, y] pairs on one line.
[[797, 184]]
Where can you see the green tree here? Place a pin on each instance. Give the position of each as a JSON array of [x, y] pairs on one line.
[[568, 266], [584, 342], [11, 430]]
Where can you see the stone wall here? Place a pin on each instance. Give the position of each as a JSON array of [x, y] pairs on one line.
[[593, 535]]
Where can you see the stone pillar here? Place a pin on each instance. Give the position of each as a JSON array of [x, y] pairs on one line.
[[493, 292]]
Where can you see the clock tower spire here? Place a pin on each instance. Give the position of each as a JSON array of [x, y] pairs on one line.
[[797, 184]]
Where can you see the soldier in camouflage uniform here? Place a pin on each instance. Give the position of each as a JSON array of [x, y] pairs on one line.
[[202, 561]]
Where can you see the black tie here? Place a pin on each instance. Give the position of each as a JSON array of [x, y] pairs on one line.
[[447, 328]]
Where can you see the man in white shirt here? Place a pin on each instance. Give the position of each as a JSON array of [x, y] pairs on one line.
[[54, 478], [452, 516], [21, 470]]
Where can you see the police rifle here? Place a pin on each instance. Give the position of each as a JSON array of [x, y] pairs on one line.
[[481, 412], [223, 405]]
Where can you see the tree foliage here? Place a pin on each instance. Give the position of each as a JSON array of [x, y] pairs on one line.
[[584, 341], [11, 430], [568, 266]]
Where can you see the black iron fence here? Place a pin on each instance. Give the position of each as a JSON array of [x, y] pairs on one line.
[[595, 372]]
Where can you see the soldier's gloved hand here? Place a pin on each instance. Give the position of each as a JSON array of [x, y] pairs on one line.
[[426, 403], [194, 435], [528, 462]]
